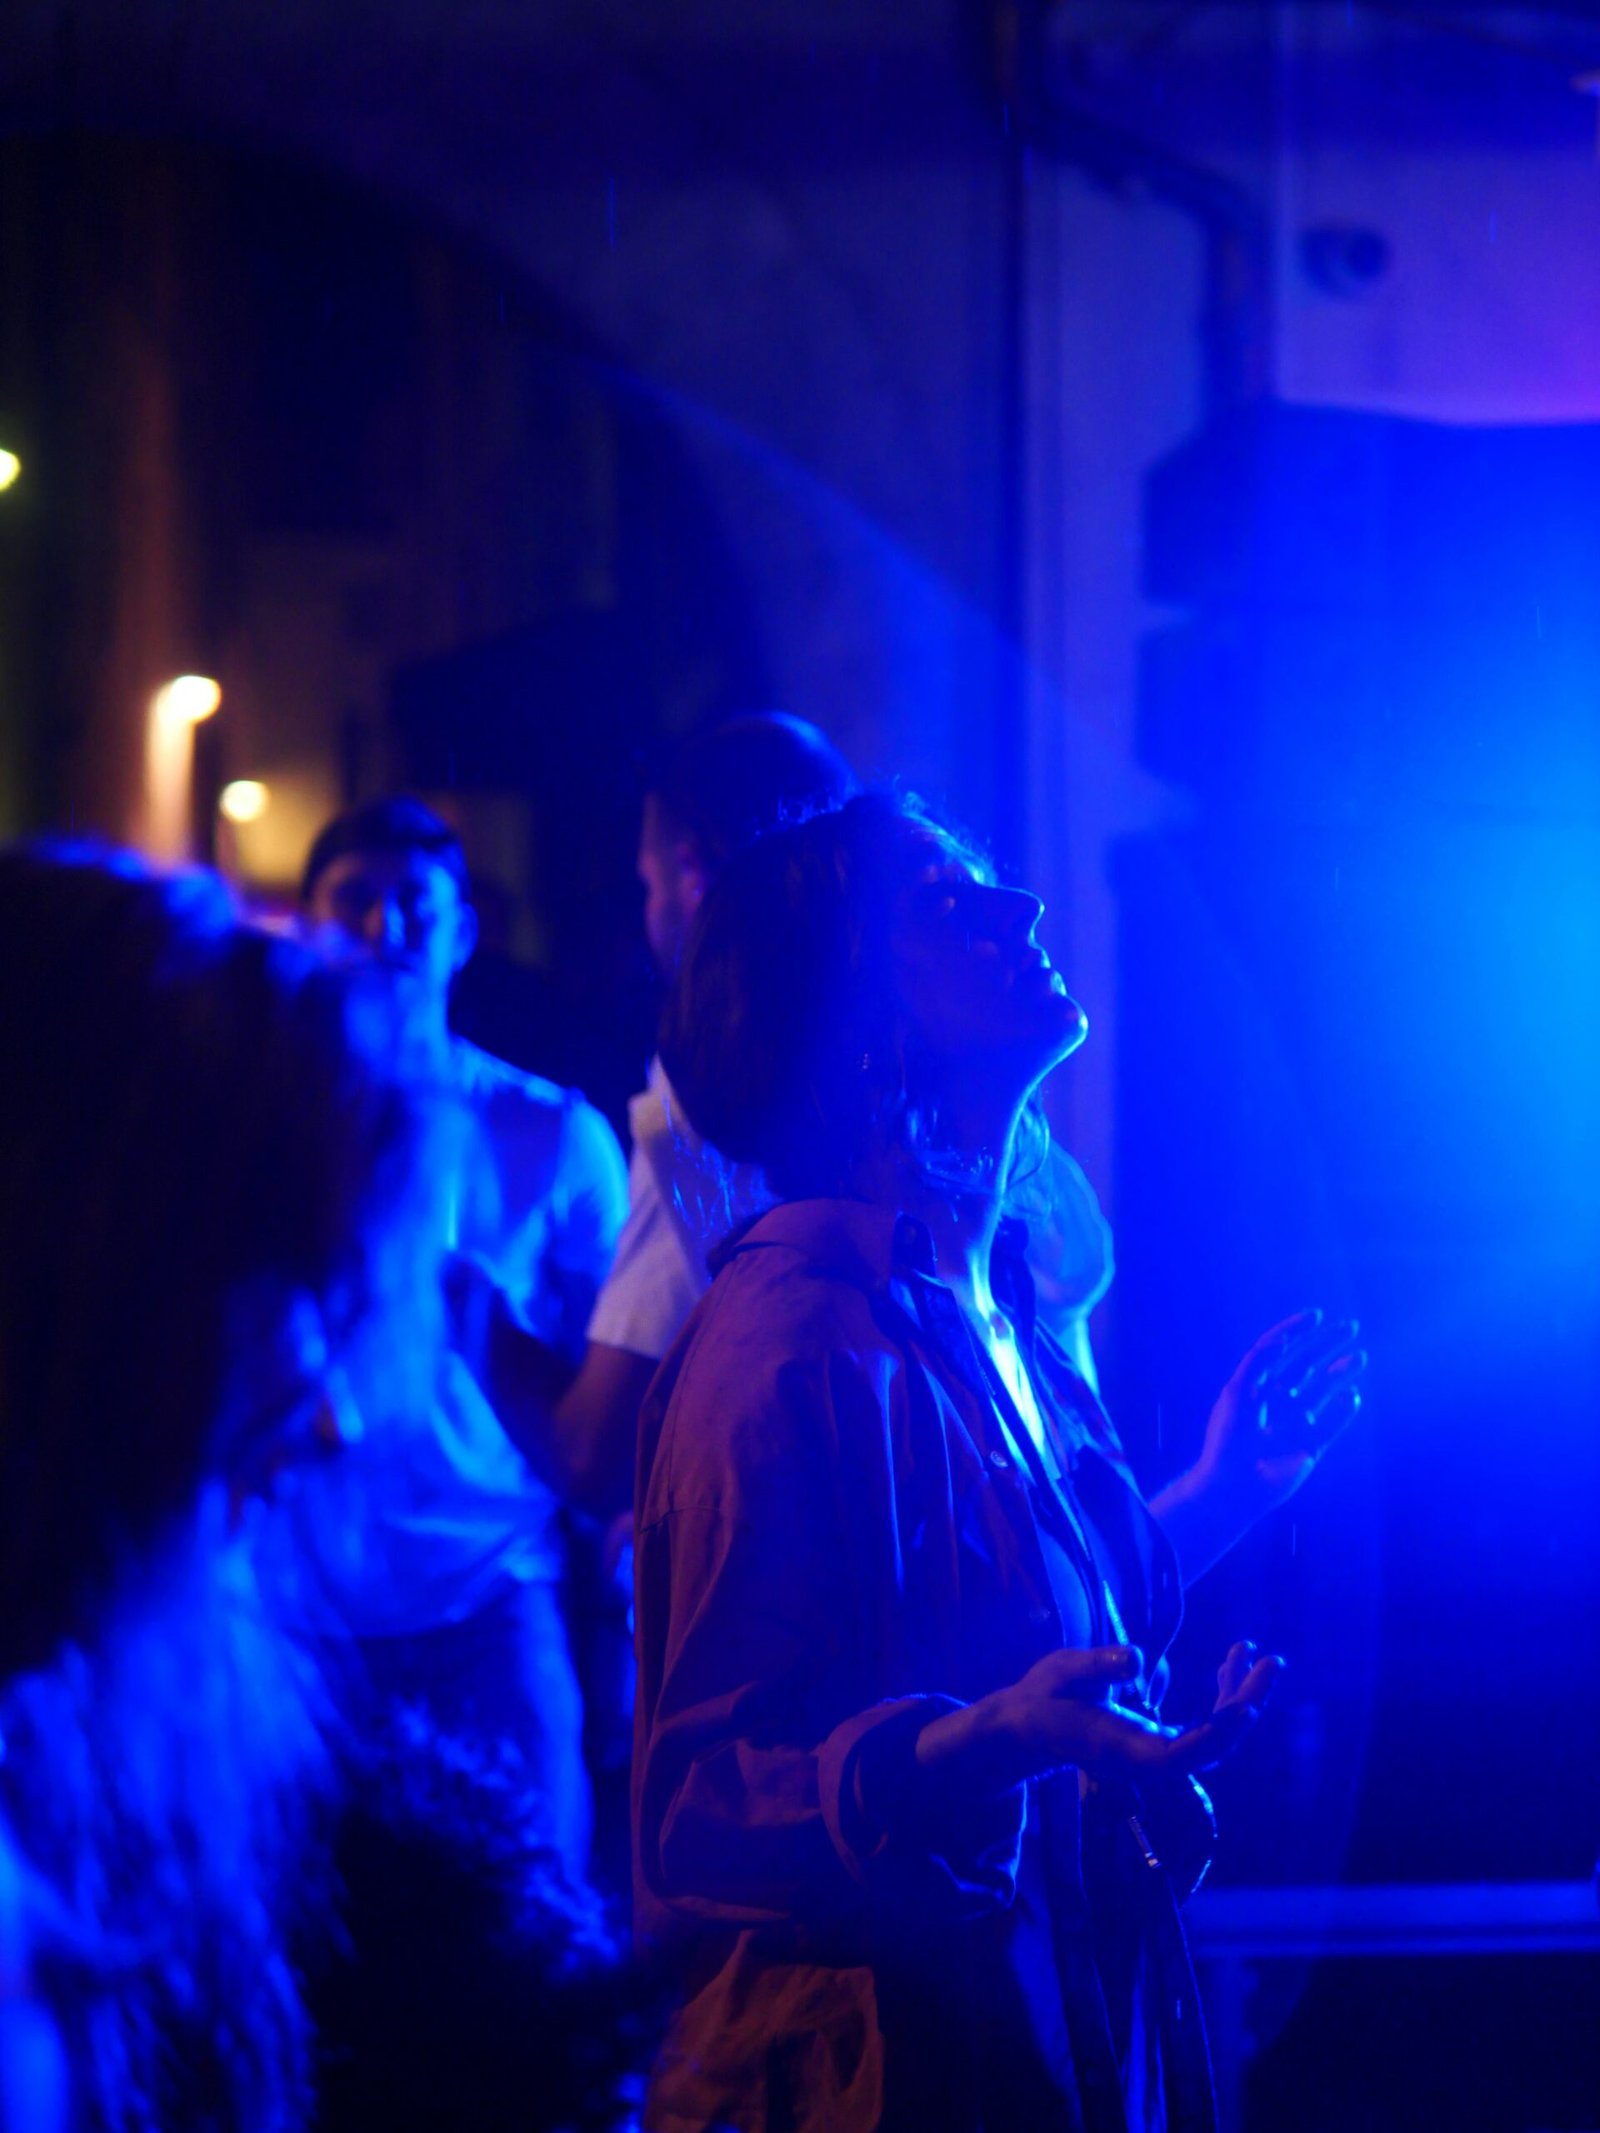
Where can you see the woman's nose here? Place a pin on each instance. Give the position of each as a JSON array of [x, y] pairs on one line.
[[1016, 911]]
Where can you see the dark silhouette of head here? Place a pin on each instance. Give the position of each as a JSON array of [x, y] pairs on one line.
[[716, 792], [394, 824]]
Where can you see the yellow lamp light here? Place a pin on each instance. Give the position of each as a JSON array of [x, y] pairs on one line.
[[187, 699], [244, 800]]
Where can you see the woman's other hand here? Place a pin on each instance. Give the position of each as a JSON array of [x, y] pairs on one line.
[[1061, 1713], [1245, 1679]]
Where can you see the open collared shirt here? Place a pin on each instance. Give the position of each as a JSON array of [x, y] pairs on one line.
[[834, 1547]]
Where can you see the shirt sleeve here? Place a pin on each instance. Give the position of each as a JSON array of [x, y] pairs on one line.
[[589, 1204], [653, 1284], [757, 1677]]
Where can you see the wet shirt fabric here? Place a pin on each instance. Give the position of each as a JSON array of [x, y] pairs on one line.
[[836, 1543]]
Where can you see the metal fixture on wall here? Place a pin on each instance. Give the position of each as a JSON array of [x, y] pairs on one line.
[[1236, 323]]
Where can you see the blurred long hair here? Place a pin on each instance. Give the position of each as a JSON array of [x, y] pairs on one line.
[[167, 1790], [213, 1197], [199, 1141]]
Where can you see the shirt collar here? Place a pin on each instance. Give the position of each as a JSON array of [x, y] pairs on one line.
[[864, 1242]]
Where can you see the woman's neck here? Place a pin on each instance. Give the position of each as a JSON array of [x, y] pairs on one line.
[[962, 1208], [963, 1232]]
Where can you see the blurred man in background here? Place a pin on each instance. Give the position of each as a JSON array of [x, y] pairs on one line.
[[443, 1553]]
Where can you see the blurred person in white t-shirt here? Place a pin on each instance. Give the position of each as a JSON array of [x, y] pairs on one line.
[[443, 1552]]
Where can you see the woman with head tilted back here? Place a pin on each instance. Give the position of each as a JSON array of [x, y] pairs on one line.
[[214, 1259], [903, 1813]]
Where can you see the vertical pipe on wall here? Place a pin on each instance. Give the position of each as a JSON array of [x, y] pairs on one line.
[[1014, 28]]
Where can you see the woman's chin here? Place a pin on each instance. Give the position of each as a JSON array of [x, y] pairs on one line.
[[1071, 1023], [1054, 1036], [1041, 983]]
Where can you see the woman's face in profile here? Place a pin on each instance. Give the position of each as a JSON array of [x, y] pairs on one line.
[[974, 983]]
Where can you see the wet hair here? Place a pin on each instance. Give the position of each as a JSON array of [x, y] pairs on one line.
[[195, 1127], [723, 788], [487, 1989], [782, 1037], [396, 824], [167, 1787]]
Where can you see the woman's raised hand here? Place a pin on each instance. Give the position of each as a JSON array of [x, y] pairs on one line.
[[1294, 1391], [1290, 1396]]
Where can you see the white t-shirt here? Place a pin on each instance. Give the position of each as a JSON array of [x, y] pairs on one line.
[[420, 1525], [543, 1193], [683, 1200]]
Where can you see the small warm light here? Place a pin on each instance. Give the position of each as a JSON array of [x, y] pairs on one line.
[[244, 800], [188, 699], [10, 468]]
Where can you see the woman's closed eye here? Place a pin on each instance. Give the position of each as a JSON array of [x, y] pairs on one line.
[[942, 896]]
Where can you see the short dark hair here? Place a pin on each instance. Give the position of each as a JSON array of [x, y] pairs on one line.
[[396, 823], [730, 784]]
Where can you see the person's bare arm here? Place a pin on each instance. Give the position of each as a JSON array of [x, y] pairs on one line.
[[597, 1418]]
